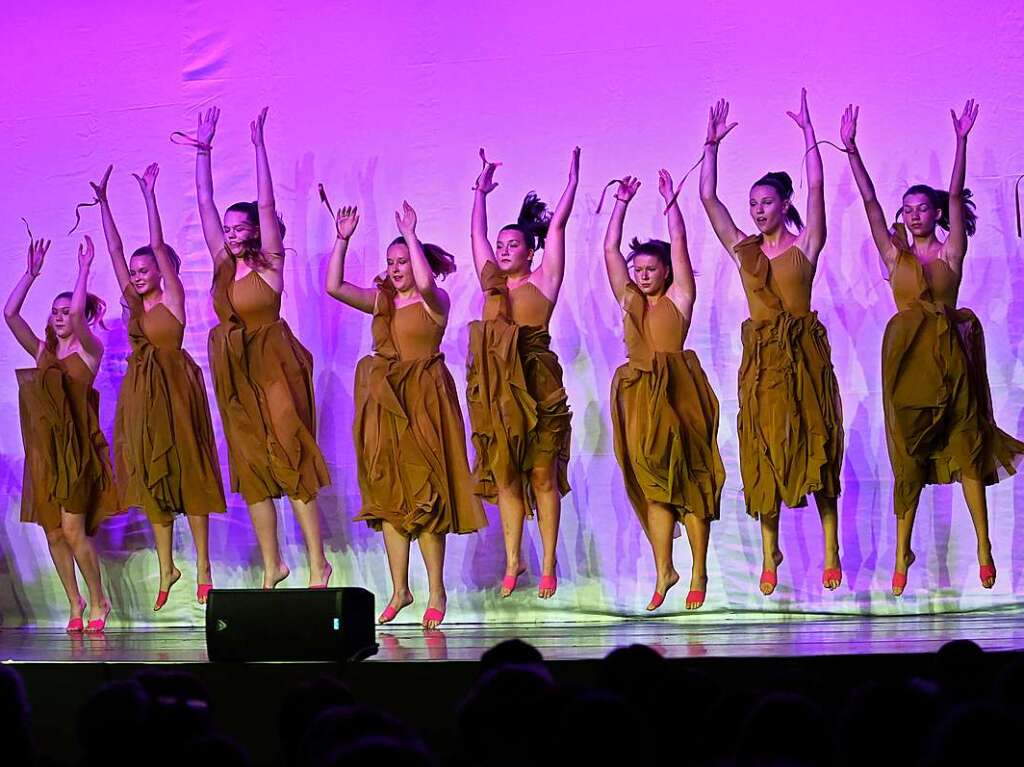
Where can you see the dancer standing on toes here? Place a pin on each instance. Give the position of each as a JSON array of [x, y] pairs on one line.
[[939, 424], [68, 487], [790, 423], [164, 447], [262, 375], [664, 413], [518, 409], [409, 434]]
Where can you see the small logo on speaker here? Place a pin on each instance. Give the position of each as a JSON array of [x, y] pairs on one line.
[[221, 625]]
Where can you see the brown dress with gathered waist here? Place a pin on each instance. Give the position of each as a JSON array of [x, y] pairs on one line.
[[790, 423], [164, 449], [665, 415], [67, 459], [939, 424], [518, 407], [263, 379], [409, 434]]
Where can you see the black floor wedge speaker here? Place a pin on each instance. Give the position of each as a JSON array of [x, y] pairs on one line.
[[290, 625]]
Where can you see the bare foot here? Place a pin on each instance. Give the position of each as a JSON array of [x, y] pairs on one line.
[[899, 584], [324, 579], [399, 601], [771, 566], [438, 602], [511, 576], [832, 563], [167, 581], [665, 582], [270, 580], [698, 585]]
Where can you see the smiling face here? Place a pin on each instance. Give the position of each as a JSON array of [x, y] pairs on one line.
[[239, 232], [399, 267], [511, 252], [767, 209], [920, 215], [144, 274], [650, 274], [60, 317]]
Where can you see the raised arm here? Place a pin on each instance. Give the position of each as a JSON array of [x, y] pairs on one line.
[[956, 244], [814, 232], [358, 298], [270, 227], [721, 220], [213, 227], [12, 309], [683, 290], [876, 217], [79, 299], [614, 261], [435, 299], [173, 290], [483, 251], [114, 245], [552, 268]]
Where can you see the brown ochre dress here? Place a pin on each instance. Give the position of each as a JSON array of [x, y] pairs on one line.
[[409, 434], [790, 423], [67, 459], [263, 379], [165, 453], [518, 407], [665, 414], [939, 425]]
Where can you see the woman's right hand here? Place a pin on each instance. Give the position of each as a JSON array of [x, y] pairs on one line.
[[36, 253], [718, 127], [207, 126], [485, 183], [627, 189], [100, 189], [86, 254], [346, 221], [848, 128]]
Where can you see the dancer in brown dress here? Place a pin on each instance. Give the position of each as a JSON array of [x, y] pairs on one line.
[[664, 413], [790, 423], [68, 487], [408, 430], [518, 408], [939, 424], [262, 375], [164, 449]]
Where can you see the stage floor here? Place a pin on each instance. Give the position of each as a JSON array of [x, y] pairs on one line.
[[725, 637]]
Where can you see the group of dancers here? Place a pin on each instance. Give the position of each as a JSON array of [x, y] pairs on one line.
[[409, 434]]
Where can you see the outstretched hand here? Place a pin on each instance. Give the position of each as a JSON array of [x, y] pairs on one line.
[[485, 182], [803, 118], [256, 127], [574, 165], [207, 126], [147, 181], [963, 124], [346, 221], [848, 128], [406, 220], [627, 189], [36, 253], [665, 186], [86, 253], [718, 125], [100, 189]]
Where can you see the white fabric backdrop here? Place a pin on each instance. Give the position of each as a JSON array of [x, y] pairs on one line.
[[390, 101]]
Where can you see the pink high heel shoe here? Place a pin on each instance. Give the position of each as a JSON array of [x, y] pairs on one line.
[[433, 615], [327, 577], [548, 583], [75, 625], [203, 592], [695, 598], [508, 584], [656, 599], [985, 572], [831, 574], [768, 578], [899, 582], [97, 625]]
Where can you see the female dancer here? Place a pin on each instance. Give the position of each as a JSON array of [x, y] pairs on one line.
[[939, 424], [518, 409], [790, 423], [664, 413], [409, 434], [68, 488], [262, 375], [164, 448]]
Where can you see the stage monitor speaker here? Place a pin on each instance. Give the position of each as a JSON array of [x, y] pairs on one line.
[[290, 625]]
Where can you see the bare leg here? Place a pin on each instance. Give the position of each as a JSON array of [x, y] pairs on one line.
[[309, 520], [904, 554], [432, 549], [169, 574], [977, 504], [661, 521], [770, 548], [264, 520], [73, 526], [549, 514], [829, 512], [200, 526], [64, 562], [397, 546], [512, 509], [698, 533]]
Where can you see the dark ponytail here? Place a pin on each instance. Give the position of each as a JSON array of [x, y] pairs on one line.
[[95, 307], [442, 263], [534, 218], [783, 185], [657, 248], [939, 199]]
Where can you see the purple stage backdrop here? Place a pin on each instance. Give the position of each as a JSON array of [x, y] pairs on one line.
[[389, 101]]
